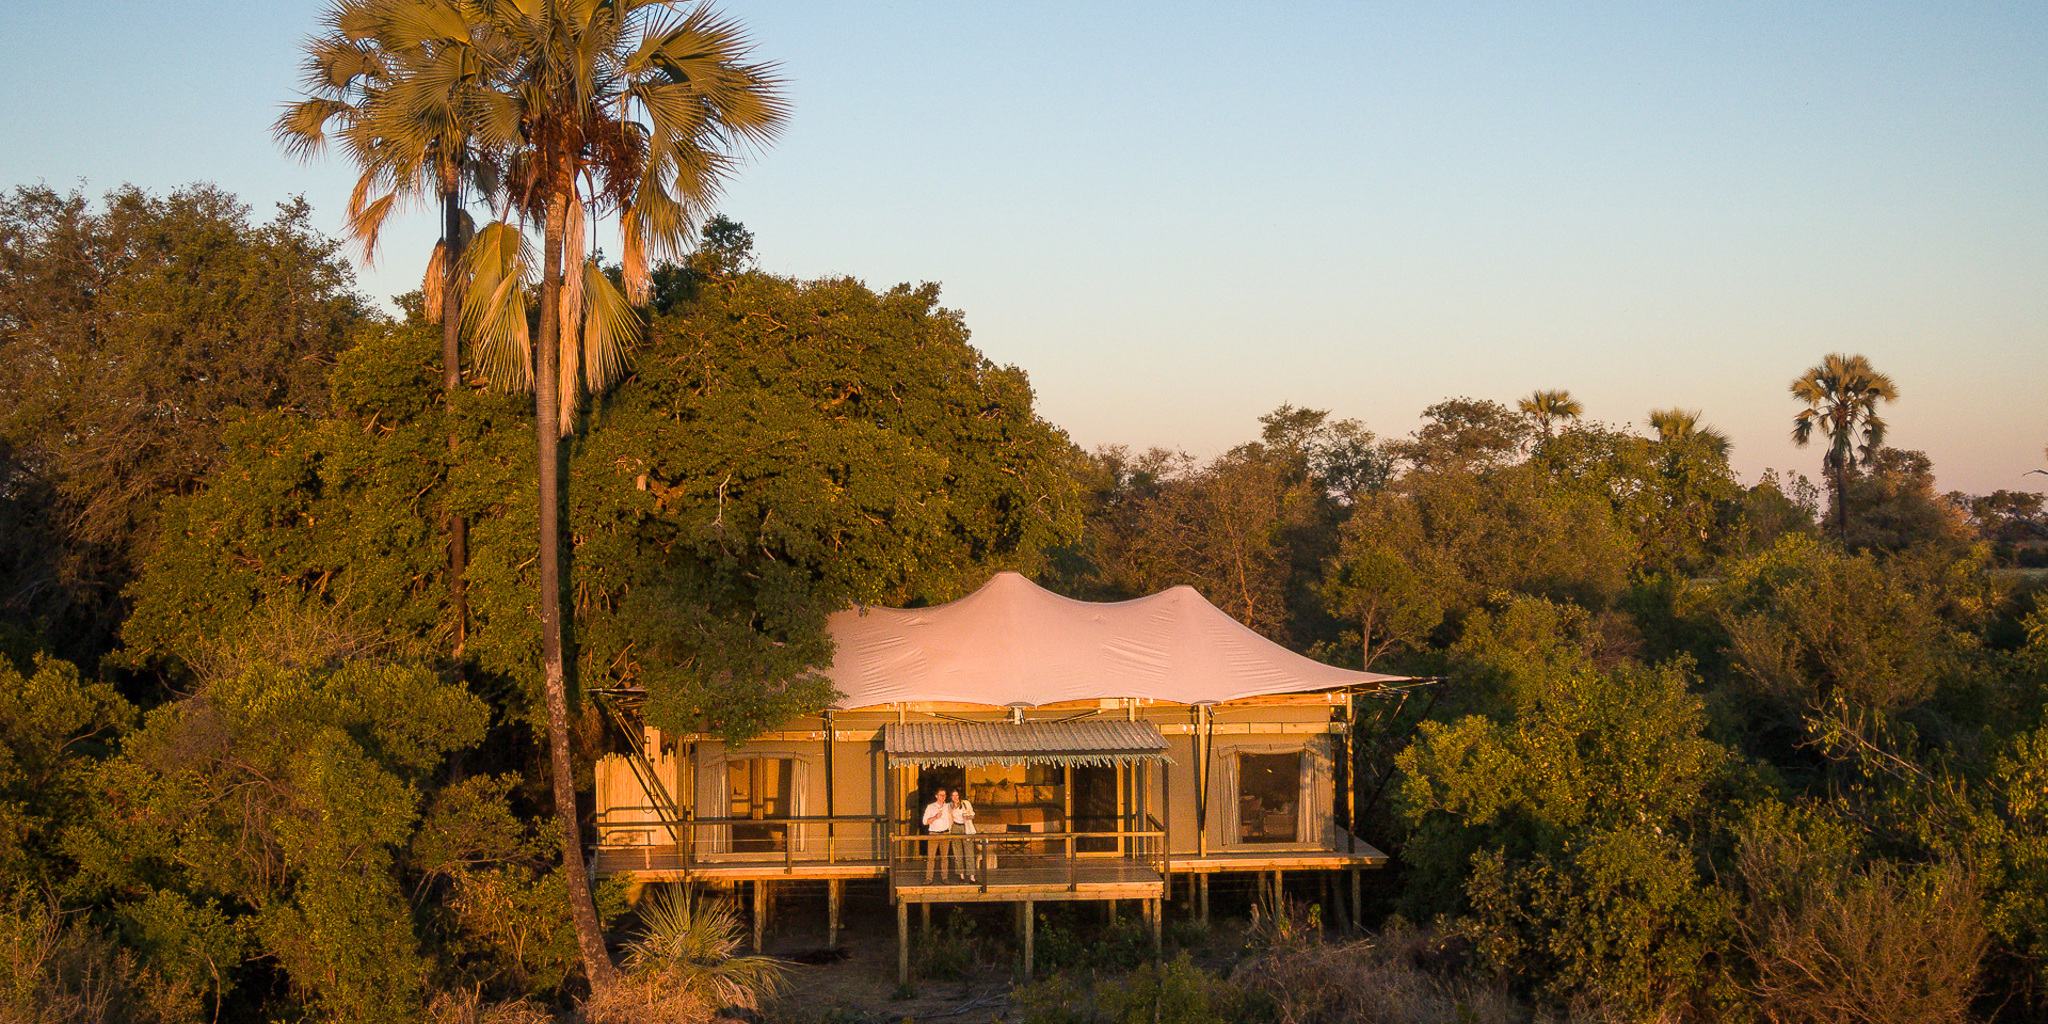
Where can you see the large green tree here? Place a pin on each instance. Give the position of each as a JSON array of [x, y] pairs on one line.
[[133, 333], [1842, 394]]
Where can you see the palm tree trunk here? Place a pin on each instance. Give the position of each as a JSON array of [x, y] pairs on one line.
[[1842, 501], [451, 382], [597, 961]]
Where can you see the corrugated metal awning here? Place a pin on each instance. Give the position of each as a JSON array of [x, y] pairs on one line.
[[974, 744]]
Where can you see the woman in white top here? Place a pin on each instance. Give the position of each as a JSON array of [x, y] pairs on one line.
[[963, 820]]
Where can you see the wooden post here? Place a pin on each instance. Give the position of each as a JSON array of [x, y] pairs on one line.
[[834, 889], [1357, 900], [1030, 923], [1124, 775], [1166, 825], [760, 914], [831, 807], [1202, 897], [903, 943], [1066, 798], [1201, 783], [1156, 912], [1350, 781]]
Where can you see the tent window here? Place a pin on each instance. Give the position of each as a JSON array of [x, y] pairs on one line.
[[1268, 797], [759, 788]]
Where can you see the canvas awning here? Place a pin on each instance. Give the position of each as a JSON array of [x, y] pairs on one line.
[[976, 744]]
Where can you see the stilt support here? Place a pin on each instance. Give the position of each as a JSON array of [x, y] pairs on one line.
[[1358, 899], [1156, 910], [760, 914], [903, 943], [1030, 925], [1202, 898], [834, 889]]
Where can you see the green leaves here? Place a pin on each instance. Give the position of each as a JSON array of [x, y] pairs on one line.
[[270, 808], [1576, 813], [781, 450], [52, 723]]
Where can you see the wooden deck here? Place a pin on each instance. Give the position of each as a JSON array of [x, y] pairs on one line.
[[1098, 879], [664, 864]]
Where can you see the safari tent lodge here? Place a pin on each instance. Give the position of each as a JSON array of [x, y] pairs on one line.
[[1106, 747]]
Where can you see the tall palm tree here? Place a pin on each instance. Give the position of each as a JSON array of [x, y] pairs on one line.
[[403, 114], [1841, 396], [625, 108], [1676, 427], [1548, 406]]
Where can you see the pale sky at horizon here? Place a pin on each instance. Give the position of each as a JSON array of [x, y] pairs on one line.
[[1177, 217]]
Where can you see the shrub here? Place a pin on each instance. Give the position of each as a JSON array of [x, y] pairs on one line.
[[1375, 981], [1172, 993], [1831, 943], [54, 971], [1122, 946], [690, 948]]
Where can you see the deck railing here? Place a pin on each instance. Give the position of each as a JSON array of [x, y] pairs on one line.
[[997, 855], [1003, 858], [692, 841]]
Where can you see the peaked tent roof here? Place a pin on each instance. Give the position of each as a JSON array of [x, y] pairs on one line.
[[1013, 642]]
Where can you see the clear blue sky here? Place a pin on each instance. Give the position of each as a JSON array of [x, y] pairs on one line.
[[1178, 216]]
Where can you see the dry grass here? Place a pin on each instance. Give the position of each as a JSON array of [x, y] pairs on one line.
[[471, 1008], [54, 971], [645, 999]]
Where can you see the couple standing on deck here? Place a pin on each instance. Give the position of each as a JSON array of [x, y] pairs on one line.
[[948, 812]]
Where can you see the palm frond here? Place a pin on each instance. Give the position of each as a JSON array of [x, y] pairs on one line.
[[610, 330], [695, 947], [499, 268]]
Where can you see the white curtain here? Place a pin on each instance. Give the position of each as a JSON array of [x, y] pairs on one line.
[[712, 779], [1312, 810]]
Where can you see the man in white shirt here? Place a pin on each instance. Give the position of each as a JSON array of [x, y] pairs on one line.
[[938, 821]]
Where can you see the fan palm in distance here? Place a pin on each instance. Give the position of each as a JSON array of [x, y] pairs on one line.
[[1546, 407], [1842, 395], [1676, 427]]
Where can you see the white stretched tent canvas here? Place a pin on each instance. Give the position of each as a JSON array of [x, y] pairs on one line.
[[1013, 643]]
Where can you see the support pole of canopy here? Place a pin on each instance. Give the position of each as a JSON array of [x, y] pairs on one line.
[[1124, 774], [1166, 826], [1350, 777], [1204, 741], [831, 806]]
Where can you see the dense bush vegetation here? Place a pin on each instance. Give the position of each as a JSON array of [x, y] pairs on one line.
[[1706, 751]]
